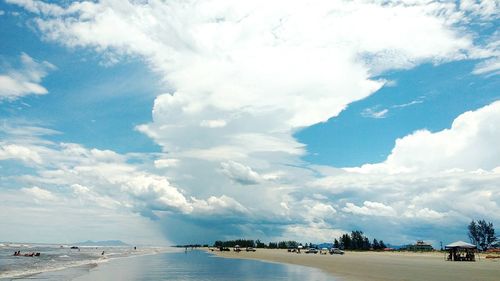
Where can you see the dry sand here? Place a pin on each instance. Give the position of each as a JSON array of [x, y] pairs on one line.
[[361, 266]]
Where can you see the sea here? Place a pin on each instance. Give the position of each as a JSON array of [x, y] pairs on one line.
[[144, 264]]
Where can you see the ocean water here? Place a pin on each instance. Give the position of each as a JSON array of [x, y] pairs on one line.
[[185, 266], [57, 257]]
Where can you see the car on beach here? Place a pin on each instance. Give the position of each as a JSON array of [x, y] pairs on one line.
[[311, 251], [336, 251], [250, 249]]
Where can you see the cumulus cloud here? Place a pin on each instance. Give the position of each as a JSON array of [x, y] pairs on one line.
[[213, 123], [26, 80], [243, 78], [445, 177], [485, 9], [469, 144], [319, 232], [104, 177], [222, 205], [370, 209], [39, 193], [240, 173], [166, 163], [424, 213], [23, 153]]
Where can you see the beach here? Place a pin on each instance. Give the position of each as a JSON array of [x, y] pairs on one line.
[[58, 262], [178, 265], [371, 266]]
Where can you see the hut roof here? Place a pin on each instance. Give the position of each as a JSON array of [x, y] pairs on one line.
[[460, 244]]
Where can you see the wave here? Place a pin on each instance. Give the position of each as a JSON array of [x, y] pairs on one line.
[[15, 273], [34, 271]]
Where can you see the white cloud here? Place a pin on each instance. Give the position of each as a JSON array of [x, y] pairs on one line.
[[38, 7], [370, 209], [23, 153], [469, 144], [322, 211], [443, 178], [166, 163], [373, 113], [81, 220], [222, 205], [104, 177], [485, 9], [258, 40], [407, 104], [424, 213], [39, 193], [310, 233], [25, 81], [488, 66], [213, 123], [245, 76], [240, 173]]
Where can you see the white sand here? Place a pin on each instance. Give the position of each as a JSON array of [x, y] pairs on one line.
[[388, 266]]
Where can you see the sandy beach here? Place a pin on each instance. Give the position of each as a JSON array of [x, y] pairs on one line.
[[368, 266]]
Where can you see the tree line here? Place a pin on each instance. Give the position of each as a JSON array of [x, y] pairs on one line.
[[356, 240], [256, 244], [481, 234]]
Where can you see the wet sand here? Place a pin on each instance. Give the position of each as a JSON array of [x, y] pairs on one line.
[[368, 266]]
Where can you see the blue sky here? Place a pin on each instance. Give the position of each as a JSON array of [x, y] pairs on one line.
[[106, 102], [222, 120], [427, 97]]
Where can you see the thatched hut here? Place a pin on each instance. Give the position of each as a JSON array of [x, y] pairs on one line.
[[461, 251]]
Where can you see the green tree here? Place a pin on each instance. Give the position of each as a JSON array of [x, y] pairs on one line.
[[345, 242], [482, 234], [336, 243], [474, 233], [259, 244]]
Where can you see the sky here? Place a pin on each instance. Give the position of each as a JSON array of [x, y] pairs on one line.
[[172, 122]]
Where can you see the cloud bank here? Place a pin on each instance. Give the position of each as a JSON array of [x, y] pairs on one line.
[[245, 77]]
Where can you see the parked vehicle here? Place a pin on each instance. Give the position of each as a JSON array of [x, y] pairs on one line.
[[311, 251], [250, 249], [336, 251]]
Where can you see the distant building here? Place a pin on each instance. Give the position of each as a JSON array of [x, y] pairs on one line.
[[420, 246]]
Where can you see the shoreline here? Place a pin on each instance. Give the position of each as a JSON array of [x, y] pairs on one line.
[[371, 266], [80, 269]]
